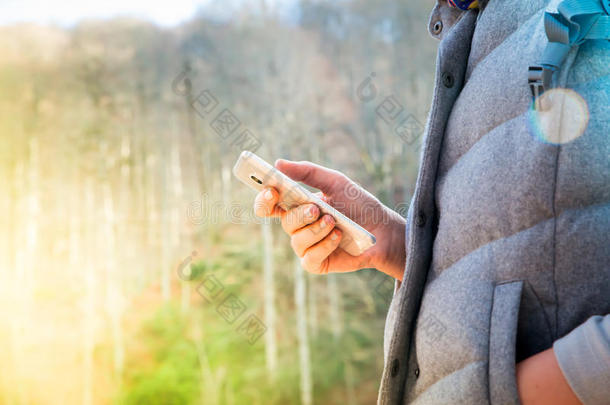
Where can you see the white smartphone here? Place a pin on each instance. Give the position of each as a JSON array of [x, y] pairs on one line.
[[258, 174]]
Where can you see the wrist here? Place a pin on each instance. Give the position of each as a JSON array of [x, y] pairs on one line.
[[392, 260]]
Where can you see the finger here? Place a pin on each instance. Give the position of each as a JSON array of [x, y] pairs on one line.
[[304, 238], [315, 259], [320, 177], [265, 203], [299, 216]]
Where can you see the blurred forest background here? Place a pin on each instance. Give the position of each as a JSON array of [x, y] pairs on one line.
[[132, 270]]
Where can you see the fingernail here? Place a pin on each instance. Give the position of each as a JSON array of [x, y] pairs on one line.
[[328, 219], [324, 222], [268, 195], [312, 211], [335, 235]]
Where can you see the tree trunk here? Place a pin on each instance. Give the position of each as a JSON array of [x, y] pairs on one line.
[[89, 274], [114, 295], [226, 184], [334, 301], [176, 179], [301, 314], [165, 236], [313, 305], [152, 225], [209, 387], [269, 291], [17, 321], [31, 234]]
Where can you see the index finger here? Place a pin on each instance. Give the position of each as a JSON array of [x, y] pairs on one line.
[[265, 203]]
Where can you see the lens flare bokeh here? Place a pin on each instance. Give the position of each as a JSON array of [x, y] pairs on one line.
[[561, 117]]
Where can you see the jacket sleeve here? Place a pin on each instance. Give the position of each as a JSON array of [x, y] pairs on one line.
[[584, 358]]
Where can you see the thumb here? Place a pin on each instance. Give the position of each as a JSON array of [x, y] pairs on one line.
[[313, 175]]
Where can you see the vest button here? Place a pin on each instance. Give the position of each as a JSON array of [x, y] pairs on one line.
[[437, 27], [420, 219], [394, 368], [447, 79], [416, 372]]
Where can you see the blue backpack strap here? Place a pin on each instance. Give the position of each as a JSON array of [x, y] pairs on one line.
[[575, 22]]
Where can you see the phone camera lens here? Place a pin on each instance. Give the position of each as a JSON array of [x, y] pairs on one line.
[[256, 179]]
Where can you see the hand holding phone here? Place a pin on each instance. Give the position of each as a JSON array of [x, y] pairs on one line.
[[312, 241], [258, 175]]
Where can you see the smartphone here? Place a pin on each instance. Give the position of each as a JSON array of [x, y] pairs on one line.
[[258, 174]]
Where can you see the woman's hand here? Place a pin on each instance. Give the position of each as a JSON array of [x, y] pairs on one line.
[[541, 381], [315, 239]]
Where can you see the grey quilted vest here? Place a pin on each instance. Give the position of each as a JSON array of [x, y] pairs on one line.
[[508, 235]]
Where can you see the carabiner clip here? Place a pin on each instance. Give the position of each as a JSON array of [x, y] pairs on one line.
[[539, 79]]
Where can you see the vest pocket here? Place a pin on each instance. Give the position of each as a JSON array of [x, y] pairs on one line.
[[502, 343]]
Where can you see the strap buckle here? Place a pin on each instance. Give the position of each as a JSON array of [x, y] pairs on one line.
[[539, 79]]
